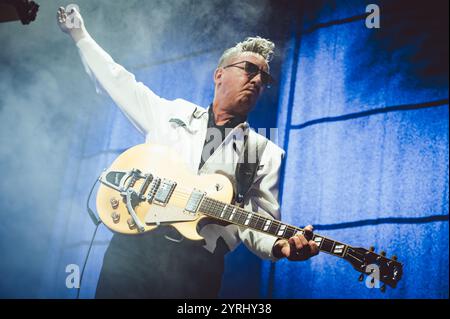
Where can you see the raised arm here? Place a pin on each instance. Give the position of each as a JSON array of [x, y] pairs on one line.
[[138, 102]]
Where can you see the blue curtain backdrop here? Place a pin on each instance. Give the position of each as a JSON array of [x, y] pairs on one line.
[[364, 120], [362, 114]]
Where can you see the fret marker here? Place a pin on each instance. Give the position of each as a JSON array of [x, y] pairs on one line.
[[223, 211], [281, 231], [338, 249], [232, 214], [247, 221], [266, 226], [318, 240]]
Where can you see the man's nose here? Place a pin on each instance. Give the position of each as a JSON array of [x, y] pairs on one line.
[[256, 79]]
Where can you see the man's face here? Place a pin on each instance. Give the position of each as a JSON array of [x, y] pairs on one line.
[[236, 90]]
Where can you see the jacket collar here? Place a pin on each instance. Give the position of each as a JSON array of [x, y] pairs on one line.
[[194, 121]]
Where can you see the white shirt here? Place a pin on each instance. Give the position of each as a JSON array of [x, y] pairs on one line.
[[182, 126]]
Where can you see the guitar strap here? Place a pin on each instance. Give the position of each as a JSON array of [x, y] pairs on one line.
[[248, 164]]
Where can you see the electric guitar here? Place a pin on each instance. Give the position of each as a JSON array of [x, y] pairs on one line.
[[148, 185]]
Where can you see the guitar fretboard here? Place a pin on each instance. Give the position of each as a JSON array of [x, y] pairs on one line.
[[236, 215]]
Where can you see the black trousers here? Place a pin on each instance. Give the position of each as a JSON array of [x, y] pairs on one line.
[[151, 266]]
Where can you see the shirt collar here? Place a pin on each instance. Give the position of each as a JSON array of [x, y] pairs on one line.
[[232, 123]]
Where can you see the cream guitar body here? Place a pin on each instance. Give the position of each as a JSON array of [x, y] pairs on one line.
[[160, 161]]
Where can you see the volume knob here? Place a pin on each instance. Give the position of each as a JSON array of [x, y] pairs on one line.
[[131, 223], [115, 217], [114, 203]]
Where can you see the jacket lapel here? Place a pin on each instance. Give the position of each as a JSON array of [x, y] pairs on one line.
[[225, 157]]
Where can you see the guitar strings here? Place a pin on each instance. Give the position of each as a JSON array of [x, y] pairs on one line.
[[179, 194], [239, 214], [184, 193]]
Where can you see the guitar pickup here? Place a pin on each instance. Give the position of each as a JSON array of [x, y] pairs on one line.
[[194, 201], [164, 192]]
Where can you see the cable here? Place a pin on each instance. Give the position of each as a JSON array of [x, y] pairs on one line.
[[97, 222], [85, 260], [94, 218]]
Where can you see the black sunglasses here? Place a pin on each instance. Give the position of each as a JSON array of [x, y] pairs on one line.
[[252, 70]]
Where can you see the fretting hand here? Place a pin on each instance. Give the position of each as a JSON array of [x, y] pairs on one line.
[[298, 247]]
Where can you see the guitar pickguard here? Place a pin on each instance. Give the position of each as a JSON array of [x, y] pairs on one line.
[[167, 214]]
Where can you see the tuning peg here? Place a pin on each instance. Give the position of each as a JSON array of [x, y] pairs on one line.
[[383, 253], [372, 248], [361, 277], [394, 258], [383, 288]]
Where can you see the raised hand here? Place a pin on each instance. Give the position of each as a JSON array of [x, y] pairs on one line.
[[71, 22]]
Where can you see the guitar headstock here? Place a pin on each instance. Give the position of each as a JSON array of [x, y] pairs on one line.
[[387, 270]]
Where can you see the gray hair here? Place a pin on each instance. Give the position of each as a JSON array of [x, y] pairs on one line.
[[258, 45]]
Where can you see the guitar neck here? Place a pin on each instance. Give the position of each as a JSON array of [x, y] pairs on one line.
[[238, 216]]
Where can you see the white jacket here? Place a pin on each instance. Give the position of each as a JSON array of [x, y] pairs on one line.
[[182, 125]]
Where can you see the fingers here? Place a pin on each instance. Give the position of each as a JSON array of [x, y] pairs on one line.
[[61, 12], [61, 19], [286, 250], [298, 241], [298, 247], [61, 15], [309, 232], [301, 247], [313, 247]]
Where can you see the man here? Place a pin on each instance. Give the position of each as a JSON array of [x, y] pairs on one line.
[[159, 264]]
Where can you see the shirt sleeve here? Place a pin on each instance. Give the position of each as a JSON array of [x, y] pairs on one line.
[[141, 106], [263, 199]]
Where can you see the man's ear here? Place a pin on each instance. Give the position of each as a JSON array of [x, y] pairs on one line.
[[218, 76]]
